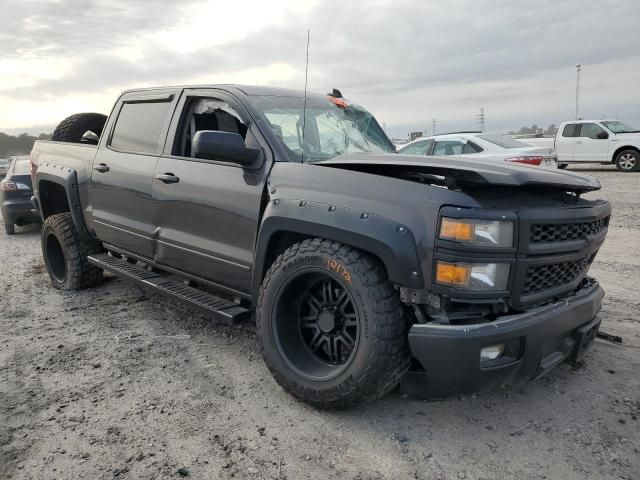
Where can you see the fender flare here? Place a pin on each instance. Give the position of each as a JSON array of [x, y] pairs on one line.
[[67, 178], [392, 242]]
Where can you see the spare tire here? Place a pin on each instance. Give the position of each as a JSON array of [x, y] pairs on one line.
[[72, 128]]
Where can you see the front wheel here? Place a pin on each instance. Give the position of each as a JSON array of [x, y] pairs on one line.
[[65, 254], [332, 329], [628, 161]]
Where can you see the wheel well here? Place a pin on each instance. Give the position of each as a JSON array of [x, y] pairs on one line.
[[282, 240], [278, 243], [53, 198], [617, 152]]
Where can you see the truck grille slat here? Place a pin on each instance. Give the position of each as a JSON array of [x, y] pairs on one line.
[[560, 232], [545, 277]]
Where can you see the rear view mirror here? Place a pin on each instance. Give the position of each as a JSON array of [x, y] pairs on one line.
[[90, 138], [225, 146], [603, 135]]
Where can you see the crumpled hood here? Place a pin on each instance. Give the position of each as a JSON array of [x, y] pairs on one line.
[[466, 172]]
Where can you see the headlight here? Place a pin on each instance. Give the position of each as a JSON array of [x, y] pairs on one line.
[[489, 233], [473, 276]]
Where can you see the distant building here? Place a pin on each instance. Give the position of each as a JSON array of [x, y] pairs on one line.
[[414, 135]]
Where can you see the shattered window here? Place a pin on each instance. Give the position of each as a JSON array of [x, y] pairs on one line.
[[326, 128]]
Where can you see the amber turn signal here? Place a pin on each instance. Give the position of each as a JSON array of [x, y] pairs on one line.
[[452, 274], [452, 229]]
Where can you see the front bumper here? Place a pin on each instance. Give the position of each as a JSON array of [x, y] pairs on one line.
[[546, 335]]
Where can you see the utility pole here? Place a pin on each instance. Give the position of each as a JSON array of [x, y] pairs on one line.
[[433, 126], [578, 71], [480, 119]]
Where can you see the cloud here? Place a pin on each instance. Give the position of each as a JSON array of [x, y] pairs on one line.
[[479, 53]]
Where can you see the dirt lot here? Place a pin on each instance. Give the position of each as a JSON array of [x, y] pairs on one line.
[[113, 383]]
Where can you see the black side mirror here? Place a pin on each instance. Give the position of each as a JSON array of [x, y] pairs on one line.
[[90, 138], [225, 146], [603, 135]]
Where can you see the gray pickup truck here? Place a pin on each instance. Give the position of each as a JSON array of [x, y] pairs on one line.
[[365, 268]]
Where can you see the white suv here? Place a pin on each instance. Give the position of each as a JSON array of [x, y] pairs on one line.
[[483, 146]]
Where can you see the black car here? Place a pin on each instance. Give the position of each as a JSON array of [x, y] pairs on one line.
[[15, 197]]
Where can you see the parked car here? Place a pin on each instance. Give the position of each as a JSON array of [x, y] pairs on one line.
[[596, 141], [363, 267], [4, 166], [482, 146], [15, 197]]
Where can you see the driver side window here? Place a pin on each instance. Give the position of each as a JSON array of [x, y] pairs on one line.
[[593, 131], [207, 114]]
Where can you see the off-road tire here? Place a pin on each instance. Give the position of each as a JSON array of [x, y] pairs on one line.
[[9, 228], [72, 128], [622, 160], [78, 273], [382, 356]]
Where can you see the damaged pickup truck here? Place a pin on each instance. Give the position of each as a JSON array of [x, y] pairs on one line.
[[365, 268]]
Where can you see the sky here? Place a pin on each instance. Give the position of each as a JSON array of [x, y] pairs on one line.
[[407, 61]]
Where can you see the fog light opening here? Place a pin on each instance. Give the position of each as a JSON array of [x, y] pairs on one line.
[[492, 352]]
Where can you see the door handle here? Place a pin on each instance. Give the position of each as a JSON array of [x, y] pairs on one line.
[[101, 167], [167, 177], [579, 142]]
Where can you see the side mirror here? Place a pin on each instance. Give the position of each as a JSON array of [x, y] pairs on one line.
[[90, 138], [603, 135], [230, 147]]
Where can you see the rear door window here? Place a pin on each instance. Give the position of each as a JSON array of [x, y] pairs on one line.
[[138, 127], [448, 147], [471, 147], [571, 130], [421, 147]]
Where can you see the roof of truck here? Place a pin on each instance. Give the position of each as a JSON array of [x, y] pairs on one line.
[[246, 89]]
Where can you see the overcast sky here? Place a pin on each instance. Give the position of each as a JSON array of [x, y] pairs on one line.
[[407, 61]]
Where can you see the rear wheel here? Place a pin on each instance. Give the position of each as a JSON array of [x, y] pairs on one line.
[[72, 128], [65, 254], [332, 329], [9, 228], [562, 166], [628, 161]]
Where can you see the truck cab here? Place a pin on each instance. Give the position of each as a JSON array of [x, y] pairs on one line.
[[599, 141]]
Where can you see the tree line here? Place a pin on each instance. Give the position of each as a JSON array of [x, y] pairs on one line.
[[534, 129], [20, 144]]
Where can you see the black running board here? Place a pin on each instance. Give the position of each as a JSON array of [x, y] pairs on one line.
[[219, 308]]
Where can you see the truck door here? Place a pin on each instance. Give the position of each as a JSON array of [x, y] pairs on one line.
[[592, 145], [122, 175], [566, 140], [207, 211]]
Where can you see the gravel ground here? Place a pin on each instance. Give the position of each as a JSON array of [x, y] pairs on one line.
[[111, 382]]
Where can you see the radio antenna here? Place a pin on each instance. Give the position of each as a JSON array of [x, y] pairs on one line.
[[304, 108]]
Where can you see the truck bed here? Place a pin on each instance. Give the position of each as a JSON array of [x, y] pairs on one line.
[[76, 156]]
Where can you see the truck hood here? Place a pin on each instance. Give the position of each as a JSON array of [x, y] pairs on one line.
[[628, 136], [462, 172]]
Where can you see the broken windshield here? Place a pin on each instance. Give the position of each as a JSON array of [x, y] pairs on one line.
[[328, 127]]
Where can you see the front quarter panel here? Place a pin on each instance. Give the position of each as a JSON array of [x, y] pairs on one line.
[[394, 219]]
